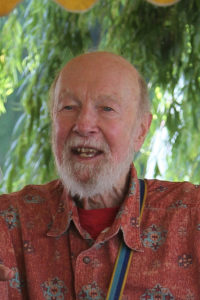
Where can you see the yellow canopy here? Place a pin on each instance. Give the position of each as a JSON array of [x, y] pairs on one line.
[[7, 6], [163, 2], [76, 5]]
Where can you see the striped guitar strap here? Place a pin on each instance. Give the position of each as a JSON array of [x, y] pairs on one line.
[[122, 264]]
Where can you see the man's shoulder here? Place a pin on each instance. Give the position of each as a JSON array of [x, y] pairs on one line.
[[166, 193], [155, 184], [32, 194]]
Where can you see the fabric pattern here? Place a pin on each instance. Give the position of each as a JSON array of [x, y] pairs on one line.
[[153, 237], [158, 292], [54, 289], [55, 258]]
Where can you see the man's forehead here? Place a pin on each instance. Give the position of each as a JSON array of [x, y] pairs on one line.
[[101, 72], [98, 60], [99, 66]]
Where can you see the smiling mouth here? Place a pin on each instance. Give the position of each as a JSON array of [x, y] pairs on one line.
[[86, 152]]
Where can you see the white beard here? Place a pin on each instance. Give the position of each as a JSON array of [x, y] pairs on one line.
[[101, 177]]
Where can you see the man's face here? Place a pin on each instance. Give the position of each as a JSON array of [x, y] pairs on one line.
[[96, 127]]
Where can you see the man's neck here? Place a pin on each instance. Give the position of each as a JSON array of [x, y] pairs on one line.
[[113, 198]]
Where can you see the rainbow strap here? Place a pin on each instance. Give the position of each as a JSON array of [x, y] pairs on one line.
[[123, 261]]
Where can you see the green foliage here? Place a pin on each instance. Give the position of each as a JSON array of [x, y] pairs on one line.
[[164, 43], [46, 37]]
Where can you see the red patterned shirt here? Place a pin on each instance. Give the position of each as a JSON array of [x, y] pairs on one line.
[[55, 259]]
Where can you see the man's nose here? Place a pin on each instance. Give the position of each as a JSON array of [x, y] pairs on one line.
[[86, 122]]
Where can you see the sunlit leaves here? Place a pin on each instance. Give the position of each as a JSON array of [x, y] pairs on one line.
[[164, 44], [48, 38]]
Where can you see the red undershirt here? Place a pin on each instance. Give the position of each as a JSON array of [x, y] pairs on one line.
[[96, 220]]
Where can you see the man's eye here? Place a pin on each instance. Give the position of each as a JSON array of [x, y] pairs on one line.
[[68, 107], [107, 108]]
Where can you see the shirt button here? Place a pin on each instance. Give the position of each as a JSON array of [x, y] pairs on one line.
[[86, 259]]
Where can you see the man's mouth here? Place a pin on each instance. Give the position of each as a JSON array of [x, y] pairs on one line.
[[86, 152]]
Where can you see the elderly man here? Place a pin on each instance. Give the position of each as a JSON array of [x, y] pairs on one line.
[[88, 235]]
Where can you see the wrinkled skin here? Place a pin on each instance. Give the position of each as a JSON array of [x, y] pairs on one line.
[[96, 113]]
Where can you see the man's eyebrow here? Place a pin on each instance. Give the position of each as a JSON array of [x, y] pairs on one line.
[[111, 98], [66, 94], [69, 94]]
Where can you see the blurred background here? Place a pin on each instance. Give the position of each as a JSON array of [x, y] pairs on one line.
[[163, 42]]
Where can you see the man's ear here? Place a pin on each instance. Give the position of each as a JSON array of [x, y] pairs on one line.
[[143, 128]]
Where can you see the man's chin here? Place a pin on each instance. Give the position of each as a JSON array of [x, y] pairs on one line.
[[83, 189], [83, 175], [90, 180], [84, 180], [84, 184]]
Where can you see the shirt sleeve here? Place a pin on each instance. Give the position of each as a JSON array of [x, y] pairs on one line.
[[8, 290]]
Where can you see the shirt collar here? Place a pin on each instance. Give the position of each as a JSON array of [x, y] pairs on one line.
[[63, 217], [127, 219]]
